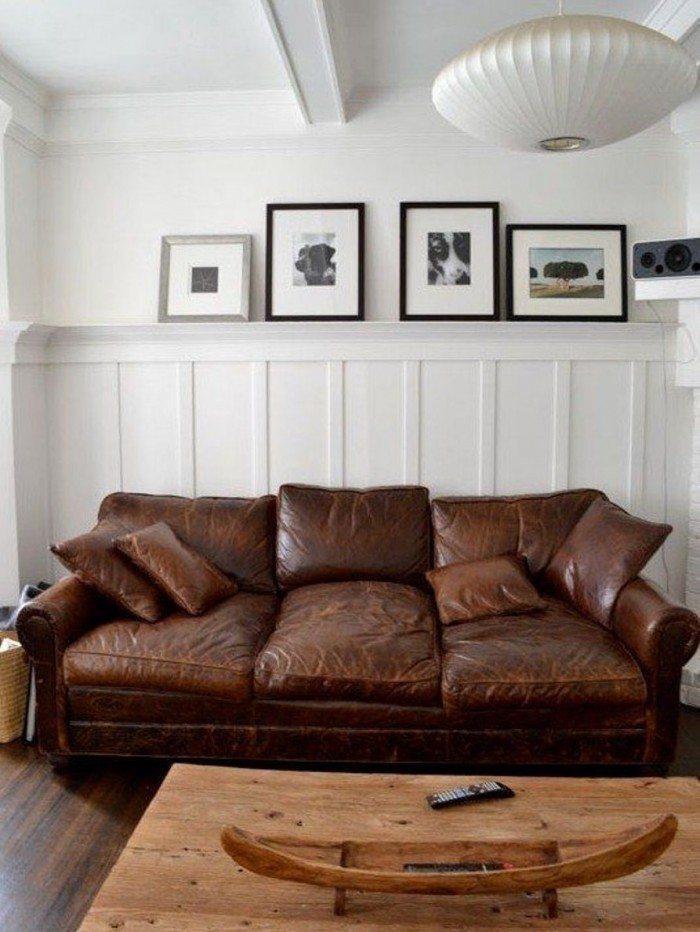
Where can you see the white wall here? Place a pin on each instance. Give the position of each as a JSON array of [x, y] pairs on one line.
[[495, 409], [22, 171], [238, 410], [103, 214]]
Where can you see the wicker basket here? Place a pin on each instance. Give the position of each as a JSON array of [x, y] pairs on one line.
[[14, 677]]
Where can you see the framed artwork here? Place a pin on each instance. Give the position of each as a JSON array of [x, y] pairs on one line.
[[449, 260], [314, 268], [204, 278], [566, 272]]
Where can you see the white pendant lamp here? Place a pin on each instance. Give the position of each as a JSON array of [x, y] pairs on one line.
[[563, 83]]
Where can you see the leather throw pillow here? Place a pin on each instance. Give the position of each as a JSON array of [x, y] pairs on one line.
[[190, 580], [606, 549], [481, 588], [96, 561]]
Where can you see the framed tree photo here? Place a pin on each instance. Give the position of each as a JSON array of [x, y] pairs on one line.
[[566, 272], [315, 262], [449, 260]]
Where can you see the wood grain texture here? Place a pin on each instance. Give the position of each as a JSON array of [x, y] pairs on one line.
[[173, 873], [536, 864], [61, 833]]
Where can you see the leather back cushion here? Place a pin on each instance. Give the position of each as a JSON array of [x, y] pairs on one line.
[[605, 550], [334, 535], [236, 534], [533, 526]]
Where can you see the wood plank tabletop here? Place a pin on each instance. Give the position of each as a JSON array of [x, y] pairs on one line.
[[174, 875]]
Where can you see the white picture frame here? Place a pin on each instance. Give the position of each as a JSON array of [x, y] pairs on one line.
[[204, 278]]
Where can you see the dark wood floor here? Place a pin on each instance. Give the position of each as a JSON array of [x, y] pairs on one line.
[[61, 833]]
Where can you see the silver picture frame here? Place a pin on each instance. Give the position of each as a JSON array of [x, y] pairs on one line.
[[240, 302]]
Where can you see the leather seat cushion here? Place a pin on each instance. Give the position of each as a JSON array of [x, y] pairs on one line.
[[363, 641], [554, 658], [210, 655]]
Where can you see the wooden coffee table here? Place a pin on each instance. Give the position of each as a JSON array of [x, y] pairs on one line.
[[173, 874]]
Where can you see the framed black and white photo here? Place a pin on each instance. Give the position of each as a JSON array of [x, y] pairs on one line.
[[315, 262], [566, 272], [449, 260], [204, 278]]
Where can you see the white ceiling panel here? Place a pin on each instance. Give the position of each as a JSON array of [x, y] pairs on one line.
[[129, 46], [404, 43]]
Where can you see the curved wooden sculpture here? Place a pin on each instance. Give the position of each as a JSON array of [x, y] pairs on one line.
[[378, 866]]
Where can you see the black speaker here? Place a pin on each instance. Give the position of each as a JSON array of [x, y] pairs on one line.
[[666, 258]]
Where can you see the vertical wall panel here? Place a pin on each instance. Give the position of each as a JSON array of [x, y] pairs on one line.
[[31, 472], [600, 427], [150, 418], [83, 416], [524, 426], [223, 418], [449, 444], [298, 423], [336, 423], [374, 423], [562, 424]]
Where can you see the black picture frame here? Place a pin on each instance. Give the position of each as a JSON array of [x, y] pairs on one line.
[[405, 207], [620, 228], [269, 264]]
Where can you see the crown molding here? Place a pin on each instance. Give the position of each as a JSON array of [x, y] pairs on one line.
[[21, 82], [269, 97], [269, 121], [328, 142], [674, 18], [26, 138]]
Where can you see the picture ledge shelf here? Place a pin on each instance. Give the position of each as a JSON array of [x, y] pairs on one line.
[[27, 342]]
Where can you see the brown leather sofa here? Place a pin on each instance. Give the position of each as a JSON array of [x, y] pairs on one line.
[[331, 649]]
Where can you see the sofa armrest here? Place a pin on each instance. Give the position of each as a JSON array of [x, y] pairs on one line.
[[58, 617], [45, 627], [662, 636]]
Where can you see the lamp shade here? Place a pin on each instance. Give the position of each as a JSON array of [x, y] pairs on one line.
[[564, 82]]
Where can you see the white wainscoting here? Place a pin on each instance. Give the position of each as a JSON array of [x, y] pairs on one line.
[[465, 409]]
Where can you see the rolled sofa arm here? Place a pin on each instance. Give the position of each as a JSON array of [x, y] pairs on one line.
[[45, 627], [662, 636]]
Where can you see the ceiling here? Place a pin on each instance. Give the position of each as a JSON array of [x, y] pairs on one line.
[[404, 43], [140, 46], [132, 46]]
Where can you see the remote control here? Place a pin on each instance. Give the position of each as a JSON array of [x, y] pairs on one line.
[[468, 794], [450, 867]]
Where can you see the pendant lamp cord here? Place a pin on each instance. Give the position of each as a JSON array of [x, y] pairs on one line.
[[561, 7]]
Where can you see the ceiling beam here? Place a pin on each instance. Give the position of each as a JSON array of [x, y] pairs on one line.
[[302, 32], [675, 18]]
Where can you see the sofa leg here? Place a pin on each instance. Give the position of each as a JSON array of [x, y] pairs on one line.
[[60, 762]]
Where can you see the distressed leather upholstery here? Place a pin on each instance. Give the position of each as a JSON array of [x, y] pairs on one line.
[[97, 562], [207, 655], [331, 535], [533, 526], [551, 659], [367, 641], [191, 582], [605, 550], [236, 534], [482, 589], [352, 665]]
